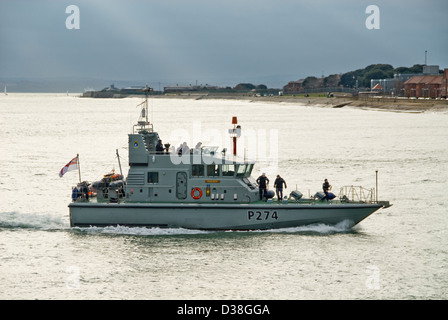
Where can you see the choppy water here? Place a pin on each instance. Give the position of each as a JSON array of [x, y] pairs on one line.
[[398, 253]]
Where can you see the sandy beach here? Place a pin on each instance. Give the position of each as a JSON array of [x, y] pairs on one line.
[[340, 100]]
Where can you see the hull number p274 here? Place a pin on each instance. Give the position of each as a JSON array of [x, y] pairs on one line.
[[262, 215]]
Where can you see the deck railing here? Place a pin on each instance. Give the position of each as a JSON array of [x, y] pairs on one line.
[[358, 194]]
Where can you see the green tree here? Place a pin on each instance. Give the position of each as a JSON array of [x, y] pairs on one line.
[[332, 80], [384, 67], [373, 71], [374, 74], [310, 83], [416, 68], [244, 87], [348, 79]]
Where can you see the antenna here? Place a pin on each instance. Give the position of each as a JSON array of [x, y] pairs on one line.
[[144, 114], [119, 163], [147, 90]]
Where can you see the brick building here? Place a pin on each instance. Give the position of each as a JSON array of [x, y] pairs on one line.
[[427, 86], [424, 86], [444, 86], [294, 86]]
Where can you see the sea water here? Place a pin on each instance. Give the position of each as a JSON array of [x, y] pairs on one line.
[[397, 253]]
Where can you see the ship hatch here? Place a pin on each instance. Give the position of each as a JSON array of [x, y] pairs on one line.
[[181, 185]]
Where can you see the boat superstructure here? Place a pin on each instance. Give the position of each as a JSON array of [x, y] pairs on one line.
[[198, 188]]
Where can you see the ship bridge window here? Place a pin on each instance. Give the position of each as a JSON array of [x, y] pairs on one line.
[[241, 170], [153, 177], [213, 170], [197, 170], [228, 170], [249, 168]]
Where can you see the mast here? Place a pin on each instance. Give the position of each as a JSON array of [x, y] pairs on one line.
[[79, 167], [147, 90], [119, 163], [143, 122], [376, 191]]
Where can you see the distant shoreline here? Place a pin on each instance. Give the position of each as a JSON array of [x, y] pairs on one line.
[[340, 101]]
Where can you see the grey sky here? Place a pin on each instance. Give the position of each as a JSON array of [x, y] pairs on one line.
[[216, 42]]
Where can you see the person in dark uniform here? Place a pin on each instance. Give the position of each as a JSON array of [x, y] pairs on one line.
[[278, 185], [262, 181], [159, 147], [326, 186]]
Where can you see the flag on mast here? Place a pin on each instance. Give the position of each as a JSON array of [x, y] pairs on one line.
[[72, 165]]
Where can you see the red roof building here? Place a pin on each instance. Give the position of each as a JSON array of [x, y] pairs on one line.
[[424, 86], [377, 87]]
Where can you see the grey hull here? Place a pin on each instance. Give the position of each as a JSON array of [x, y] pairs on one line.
[[216, 216]]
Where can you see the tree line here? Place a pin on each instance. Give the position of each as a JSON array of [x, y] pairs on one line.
[[360, 77]]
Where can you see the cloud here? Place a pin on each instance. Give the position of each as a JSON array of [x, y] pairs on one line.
[[215, 42]]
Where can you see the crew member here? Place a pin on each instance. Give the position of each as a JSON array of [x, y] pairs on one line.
[[262, 181], [159, 147], [326, 186], [278, 185]]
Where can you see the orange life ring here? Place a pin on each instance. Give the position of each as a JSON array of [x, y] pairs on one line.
[[196, 197]]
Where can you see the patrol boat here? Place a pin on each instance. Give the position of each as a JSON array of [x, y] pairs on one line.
[[203, 189]]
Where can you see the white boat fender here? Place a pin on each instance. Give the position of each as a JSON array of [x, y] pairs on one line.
[[297, 195]]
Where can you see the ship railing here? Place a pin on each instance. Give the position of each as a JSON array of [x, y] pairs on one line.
[[207, 150], [357, 194], [142, 127]]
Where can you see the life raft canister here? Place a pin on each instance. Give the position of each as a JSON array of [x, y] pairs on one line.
[[196, 193]]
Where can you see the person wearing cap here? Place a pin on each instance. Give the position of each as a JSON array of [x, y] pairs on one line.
[[262, 181]]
